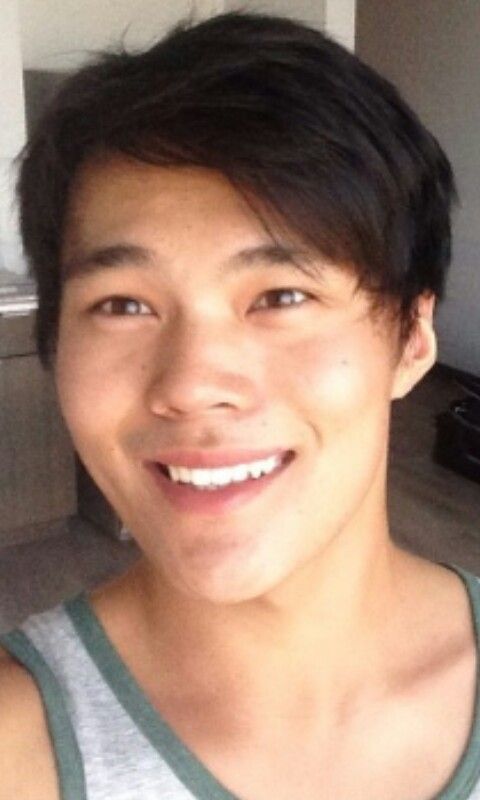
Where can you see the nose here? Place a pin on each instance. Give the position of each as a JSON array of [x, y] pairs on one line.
[[202, 368]]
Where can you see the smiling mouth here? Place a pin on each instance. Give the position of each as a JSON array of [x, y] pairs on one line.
[[214, 479]]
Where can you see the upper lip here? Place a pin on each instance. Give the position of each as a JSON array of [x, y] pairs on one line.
[[214, 458]]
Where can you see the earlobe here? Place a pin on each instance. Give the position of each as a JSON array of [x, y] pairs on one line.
[[419, 352]]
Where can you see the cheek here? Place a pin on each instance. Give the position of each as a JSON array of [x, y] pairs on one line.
[[330, 378], [92, 389], [95, 396]]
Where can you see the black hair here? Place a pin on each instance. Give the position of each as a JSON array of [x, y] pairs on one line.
[[312, 136]]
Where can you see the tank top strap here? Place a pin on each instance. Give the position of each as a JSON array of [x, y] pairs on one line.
[[62, 736]]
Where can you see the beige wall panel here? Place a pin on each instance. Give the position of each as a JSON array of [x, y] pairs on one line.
[[37, 481]]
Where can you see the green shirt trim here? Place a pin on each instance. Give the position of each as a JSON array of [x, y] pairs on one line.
[[190, 771], [68, 760]]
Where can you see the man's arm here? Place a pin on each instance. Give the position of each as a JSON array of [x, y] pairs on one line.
[[27, 764]]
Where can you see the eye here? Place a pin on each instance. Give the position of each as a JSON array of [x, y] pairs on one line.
[[122, 307], [281, 298]]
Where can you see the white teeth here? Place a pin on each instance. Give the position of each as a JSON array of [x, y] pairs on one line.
[[183, 473], [174, 473], [200, 477], [239, 473], [256, 470], [222, 476]]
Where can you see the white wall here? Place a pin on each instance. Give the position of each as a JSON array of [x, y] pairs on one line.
[[431, 50], [310, 11], [340, 21], [336, 17], [12, 131], [56, 34]]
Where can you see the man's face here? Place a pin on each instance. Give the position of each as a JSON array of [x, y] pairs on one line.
[[188, 338]]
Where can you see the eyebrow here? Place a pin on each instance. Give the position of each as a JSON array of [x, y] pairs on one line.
[[102, 258], [132, 255]]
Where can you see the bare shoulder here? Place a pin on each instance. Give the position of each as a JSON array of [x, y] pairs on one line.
[[27, 763]]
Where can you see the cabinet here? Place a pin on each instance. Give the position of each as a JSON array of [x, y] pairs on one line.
[[37, 466]]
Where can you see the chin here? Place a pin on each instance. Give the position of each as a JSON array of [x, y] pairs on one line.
[[227, 581]]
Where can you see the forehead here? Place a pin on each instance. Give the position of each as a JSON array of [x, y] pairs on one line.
[[105, 178], [122, 211], [120, 197]]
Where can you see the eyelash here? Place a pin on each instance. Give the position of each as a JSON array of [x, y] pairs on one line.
[[287, 291], [100, 307], [129, 301]]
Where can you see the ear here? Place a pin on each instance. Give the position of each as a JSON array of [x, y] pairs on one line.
[[420, 351]]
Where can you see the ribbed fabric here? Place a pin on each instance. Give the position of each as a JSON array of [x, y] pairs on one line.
[[111, 744]]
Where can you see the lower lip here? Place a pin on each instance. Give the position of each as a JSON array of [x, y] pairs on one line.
[[213, 501]]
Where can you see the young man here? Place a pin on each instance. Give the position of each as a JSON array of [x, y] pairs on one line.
[[239, 237]]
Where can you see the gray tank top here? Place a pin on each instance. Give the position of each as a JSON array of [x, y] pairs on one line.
[[109, 741]]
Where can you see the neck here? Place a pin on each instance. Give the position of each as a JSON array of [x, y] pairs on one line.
[[302, 634]]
